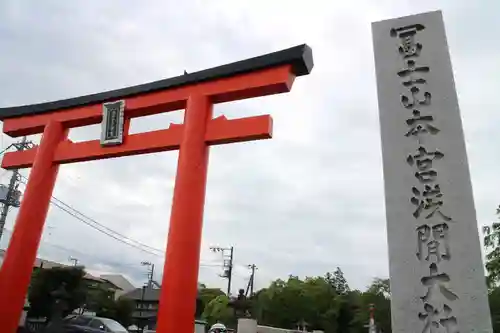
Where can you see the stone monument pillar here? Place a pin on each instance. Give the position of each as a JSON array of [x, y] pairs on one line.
[[247, 325], [436, 268], [200, 326]]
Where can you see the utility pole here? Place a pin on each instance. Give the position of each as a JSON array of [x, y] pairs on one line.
[[74, 260], [251, 281], [230, 271], [228, 264], [9, 196], [142, 306], [150, 274]]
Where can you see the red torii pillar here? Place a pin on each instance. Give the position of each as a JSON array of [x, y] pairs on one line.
[[196, 93]]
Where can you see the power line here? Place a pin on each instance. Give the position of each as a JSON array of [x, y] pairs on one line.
[[4, 150], [110, 233], [103, 231], [103, 226], [100, 227], [81, 254], [103, 260], [93, 223]]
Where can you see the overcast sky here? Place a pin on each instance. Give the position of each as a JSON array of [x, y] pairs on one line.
[[303, 203]]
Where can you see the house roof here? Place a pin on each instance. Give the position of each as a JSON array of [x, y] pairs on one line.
[[150, 294], [42, 263], [119, 281]]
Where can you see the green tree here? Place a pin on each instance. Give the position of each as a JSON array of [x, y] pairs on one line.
[[218, 311], [208, 294], [338, 281], [286, 303], [124, 308], [346, 299], [120, 310], [380, 286], [377, 294], [324, 303], [45, 281], [350, 304], [492, 246], [101, 300], [494, 299]]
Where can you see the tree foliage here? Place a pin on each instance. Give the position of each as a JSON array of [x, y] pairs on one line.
[[98, 299], [338, 281], [325, 303], [218, 311], [101, 300], [208, 294], [492, 246], [120, 310], [45, 281], [380, 286]]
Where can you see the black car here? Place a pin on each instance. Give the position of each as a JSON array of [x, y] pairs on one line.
[[88, 324]]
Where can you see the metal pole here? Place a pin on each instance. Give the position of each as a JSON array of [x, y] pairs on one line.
[[142, 305], [252, 280], [230, 273], [152, 275], [12, 187]]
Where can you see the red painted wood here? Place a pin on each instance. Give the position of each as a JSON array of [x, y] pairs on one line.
[[180, 272], [17, 266], [261, 83], [219, 131]]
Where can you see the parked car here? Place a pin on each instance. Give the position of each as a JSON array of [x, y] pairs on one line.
[[88, 324]]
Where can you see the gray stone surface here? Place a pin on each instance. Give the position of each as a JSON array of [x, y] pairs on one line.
[[440, 289]]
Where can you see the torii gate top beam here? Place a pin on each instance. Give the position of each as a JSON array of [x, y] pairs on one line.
[[264, 75], [233, 83]]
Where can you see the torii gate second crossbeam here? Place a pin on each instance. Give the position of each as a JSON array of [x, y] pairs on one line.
[[196, 93]]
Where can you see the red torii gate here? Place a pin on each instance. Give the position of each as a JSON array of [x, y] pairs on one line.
[[196, 93]]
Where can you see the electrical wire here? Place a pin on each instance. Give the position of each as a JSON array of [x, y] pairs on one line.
[[98, 258], [108, 231], [100, 227], [103, 226], [4, 150], [104, 229]]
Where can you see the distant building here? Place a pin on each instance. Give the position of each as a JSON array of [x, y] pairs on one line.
[[146, 301], [119, 281]]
